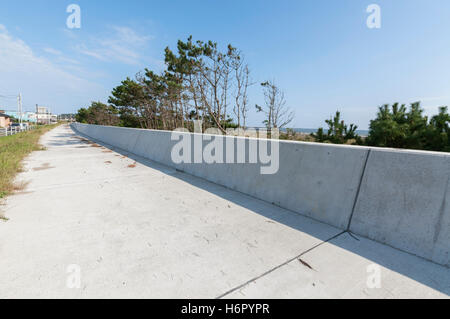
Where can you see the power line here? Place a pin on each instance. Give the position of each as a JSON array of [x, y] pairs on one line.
[[29, 109], [7, 97]]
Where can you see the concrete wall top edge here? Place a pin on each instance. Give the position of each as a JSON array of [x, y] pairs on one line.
[[380, 149], [238, 137]]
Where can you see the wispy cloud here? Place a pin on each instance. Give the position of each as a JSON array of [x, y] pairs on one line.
[[60, 57], [123, 44], [52, 51], [94, 53], [40, 79]]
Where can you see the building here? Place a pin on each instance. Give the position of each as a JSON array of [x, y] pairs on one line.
[[5, 120], [45, 116], [67, 117], [26, 116]]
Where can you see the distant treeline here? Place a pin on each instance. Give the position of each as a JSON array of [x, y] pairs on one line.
[[395, 126]]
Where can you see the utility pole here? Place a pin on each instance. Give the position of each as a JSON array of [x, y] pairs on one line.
[[19, 109]]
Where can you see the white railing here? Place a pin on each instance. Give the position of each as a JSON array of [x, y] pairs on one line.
[[14, 130]]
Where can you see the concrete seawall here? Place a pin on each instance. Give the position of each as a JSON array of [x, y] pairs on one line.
[[405, 202], [395, 197]]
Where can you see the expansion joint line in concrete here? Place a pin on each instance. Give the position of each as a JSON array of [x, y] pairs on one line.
[[279, 266], [363, 173]]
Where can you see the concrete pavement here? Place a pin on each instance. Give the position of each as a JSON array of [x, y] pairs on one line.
[[136, 229]]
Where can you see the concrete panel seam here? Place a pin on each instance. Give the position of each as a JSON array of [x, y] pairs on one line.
[[441, 213], [135, 143], [279, 266], [363, 173]]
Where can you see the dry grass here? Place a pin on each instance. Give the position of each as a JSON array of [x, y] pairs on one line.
[[13, 149]]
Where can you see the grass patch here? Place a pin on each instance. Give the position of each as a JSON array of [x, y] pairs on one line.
[[13, 149], [3, 218]]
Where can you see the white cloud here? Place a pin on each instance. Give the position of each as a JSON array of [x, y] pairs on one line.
[[40, 80], [52, 51], [92, 53], [67, 60], [61, 58], [124, 45]]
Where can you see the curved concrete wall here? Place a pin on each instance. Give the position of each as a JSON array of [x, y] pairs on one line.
[[395, 197]]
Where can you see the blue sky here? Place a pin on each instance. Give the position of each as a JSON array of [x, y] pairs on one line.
[[321, 53]]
